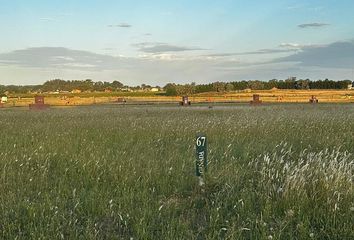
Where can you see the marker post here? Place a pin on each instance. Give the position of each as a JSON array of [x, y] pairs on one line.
[[201, 165]]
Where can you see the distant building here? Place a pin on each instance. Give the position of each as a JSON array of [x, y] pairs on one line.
[[3, 99], [126, 89], [247, 90], [108, 90], [154, 89], [76, 91], [351, 86]]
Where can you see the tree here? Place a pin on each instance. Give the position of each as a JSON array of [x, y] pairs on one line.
[[98, 86], [170, 89], [219, 86], [145, 86], [203, 88], [54, 85], [229, 87], [256, 85], [272, 84], [2, 90], [116, 85], [240, 85], [302, 84]]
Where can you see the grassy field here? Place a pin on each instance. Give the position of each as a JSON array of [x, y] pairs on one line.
[[269, 96], [127, 172]]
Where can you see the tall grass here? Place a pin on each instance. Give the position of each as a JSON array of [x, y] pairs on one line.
[[116, 172]]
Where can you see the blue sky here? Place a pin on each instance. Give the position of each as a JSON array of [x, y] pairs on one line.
[[157, 41]]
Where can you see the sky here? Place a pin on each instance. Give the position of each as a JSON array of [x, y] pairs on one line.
[[157, 41]]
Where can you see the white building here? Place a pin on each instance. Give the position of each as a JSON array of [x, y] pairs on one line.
[[154, 89], [3, 99]]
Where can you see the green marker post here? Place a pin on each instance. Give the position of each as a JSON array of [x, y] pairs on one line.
[[201, 164]]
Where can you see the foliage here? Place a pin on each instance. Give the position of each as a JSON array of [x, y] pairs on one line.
[[173, 89], [218, 87], [2, 90], [290, 83], [170, 89], [86, 85]]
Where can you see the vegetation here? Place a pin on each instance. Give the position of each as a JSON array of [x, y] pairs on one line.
[[292, 83], [172, 89], [114, 172], [60, 85]]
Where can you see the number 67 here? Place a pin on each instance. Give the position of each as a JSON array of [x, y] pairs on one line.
[[201, 141]]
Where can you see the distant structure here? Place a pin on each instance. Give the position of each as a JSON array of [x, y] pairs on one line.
[[76, 91], [154, 89], [256, 99], [3, 100], [121, 100], [38, 104], [185, 101], [351, 86], [313, 99]]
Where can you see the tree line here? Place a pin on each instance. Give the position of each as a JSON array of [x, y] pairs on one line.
[[172, 89], [70, 85]]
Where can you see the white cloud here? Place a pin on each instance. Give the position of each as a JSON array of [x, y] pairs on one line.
[[335, 55], [158, 47], [291, 45], [63, 58], [76, 65], [36, 65]]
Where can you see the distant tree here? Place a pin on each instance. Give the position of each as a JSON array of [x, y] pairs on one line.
[[2, 90], [240, 85], [98, 86], [229, 87], [289, 83], [203, 88], [256, 85], [54, 85], [272, 84], [182, 90], [219, 86], [170, 89], [145, 86], [86, 85], [302, 84]]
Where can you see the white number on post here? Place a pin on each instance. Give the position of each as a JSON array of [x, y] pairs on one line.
[[201, 141]]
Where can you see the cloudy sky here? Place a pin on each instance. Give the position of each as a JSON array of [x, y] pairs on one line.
[[159, 41]]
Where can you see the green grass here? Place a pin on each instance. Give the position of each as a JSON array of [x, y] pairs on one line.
[[124, 172]]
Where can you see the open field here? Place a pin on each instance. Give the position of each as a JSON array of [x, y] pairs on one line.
[[281, 171], [269, 96]]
